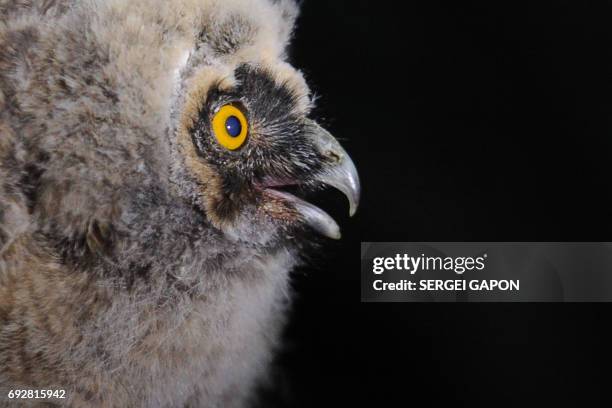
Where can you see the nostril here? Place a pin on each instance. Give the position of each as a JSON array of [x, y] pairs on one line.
[[334, 156]]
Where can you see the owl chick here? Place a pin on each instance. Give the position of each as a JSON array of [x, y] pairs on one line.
[[146, 234]]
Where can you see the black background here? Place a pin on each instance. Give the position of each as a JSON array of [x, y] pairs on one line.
[[468, 121]]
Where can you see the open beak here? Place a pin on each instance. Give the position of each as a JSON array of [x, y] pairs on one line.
[[339, 172]]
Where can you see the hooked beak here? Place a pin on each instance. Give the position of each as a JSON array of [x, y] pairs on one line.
[[342, 174], [339, 172]]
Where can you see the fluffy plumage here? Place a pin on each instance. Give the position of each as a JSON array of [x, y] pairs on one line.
[[141, 264]]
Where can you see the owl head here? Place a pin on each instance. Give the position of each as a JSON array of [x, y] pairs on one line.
[[243, 134], [148, 122]]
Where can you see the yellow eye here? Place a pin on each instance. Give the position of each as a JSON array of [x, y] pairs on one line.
[[230, 127]]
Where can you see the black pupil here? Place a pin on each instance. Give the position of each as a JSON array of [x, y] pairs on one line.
[[233, 126]]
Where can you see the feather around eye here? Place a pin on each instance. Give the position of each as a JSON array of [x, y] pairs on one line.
[[230, 127]]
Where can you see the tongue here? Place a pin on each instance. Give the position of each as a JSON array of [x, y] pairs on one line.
[[313, 216]]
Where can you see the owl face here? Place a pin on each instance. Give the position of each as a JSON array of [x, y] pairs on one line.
[[246, 136]]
